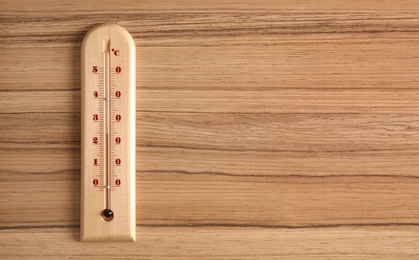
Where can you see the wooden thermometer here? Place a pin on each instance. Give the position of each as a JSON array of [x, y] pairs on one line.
[[108, 135]]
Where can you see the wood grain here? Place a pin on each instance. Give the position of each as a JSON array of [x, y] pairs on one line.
[[265, 129]]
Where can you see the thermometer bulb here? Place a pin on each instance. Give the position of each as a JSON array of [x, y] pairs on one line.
[[107, 214]]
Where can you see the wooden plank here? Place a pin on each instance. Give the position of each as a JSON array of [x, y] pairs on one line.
[[281, 132], [33, 8], [270, 144], [182, 198], [265, 129], [387, 242], [287, 101]]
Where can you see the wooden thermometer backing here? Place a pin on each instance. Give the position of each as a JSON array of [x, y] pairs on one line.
[[108, 135]]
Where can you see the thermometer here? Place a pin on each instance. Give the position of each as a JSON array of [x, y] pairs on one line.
[[108, 135]]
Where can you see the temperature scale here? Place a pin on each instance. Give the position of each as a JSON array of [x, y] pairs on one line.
[[108, 135]]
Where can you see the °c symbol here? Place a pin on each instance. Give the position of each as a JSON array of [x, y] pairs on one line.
[[116, 52]]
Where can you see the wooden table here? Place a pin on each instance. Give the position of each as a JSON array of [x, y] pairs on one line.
[[265, 129]]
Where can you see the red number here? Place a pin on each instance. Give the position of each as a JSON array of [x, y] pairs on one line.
[[95, 182], [118, 117], [95, 117], [118, 69], [118, 161], [118, 140], [95, 162], [95, 69], [118, 94], [95, 94], [95, 140], [118, 182]]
